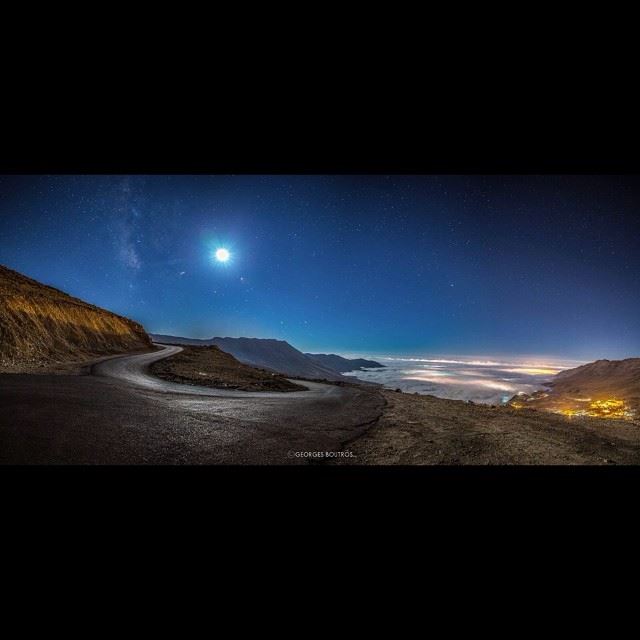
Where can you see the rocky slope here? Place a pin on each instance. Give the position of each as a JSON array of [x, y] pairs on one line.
[[40, 326], [342, 365], [275, 355]]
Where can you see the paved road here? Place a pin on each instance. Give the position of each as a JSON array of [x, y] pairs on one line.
[[134, 370], [122, 415]]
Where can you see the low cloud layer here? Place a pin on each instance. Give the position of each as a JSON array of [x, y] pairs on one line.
[[489, 380]]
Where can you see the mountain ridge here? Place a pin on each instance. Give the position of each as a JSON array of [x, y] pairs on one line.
[[342, 364], [265, 353]]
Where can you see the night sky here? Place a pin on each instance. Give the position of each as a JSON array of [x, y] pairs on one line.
[[541, 265]]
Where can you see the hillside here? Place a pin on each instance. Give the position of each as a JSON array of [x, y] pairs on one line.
[[264, 353], [209, 366], [604, 388], [41, 325], [342, 365]]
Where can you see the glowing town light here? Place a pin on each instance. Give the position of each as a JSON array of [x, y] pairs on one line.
[[611, 408]]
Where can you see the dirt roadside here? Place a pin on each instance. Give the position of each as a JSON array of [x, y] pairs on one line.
[[424, 430]]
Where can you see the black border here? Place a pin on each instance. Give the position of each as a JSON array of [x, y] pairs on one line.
[[372, 138], [308, 143]]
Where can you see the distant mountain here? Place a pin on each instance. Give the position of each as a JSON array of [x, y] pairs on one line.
[[40, 325], [165, 339], [619, 371], [604, 388], [602, 377], [342, 365], [276, 355]]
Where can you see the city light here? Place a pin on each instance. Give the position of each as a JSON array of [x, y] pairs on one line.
[[612, 408]]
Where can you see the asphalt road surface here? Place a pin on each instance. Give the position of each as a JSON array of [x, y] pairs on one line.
[[122, 415], [134, 370]]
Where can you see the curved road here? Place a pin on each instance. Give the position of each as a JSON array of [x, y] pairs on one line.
[[122, 415], [134, 370]]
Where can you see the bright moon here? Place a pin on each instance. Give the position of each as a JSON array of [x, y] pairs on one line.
[[222, 255]]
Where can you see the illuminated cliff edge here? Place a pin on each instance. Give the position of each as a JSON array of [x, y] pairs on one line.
[[40, 325]]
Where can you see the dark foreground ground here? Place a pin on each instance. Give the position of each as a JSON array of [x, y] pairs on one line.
[[119, 414], [432, 431], [93, 420]]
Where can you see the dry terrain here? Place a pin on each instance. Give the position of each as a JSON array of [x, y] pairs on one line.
[[208, 366], [425, 430], [43, 329]]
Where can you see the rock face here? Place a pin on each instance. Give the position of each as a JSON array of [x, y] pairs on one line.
[[40, 325], [264, 353], [342, 365]]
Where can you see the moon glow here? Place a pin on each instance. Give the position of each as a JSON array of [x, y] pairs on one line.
[[222, 255]]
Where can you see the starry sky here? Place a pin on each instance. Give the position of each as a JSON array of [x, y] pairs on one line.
[[541, 265]]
